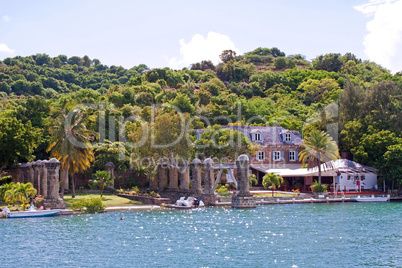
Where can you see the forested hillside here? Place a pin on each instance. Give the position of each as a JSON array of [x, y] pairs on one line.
[[264, 85]]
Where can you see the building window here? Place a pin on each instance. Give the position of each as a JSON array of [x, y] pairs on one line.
[[292, 156], [287, 137], [276, 155], [260, 156], [257, 136]]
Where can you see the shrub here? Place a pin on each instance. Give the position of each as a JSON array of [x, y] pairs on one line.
[[280, 63], [88, 205], [318, 187], [5, 180], [222, 191], [78, 205], [94, 205]]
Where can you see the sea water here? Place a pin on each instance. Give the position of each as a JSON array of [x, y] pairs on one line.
[[293, 235]]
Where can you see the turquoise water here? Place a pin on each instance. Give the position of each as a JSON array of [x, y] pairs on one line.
[[295, 235]]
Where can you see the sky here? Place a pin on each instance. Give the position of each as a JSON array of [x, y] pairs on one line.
[[177, 33]]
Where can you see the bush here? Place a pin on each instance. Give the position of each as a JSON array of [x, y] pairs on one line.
[[280, 63], [5, 180], [222, 191], [318, 187], [78, 205], [88, 205], [94, 205]]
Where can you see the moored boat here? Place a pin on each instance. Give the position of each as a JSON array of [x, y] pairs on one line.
[[371, 199], [188, 203], [31, 212]]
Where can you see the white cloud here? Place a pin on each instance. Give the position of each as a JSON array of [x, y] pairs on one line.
[[202, 48], [383, 42], [5, 49], [6, 18]]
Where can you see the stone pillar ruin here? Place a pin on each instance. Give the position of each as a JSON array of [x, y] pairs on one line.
[[196, 176], [27, 173], [243, 197], [53, 199], [153, 184], [173, 178], [208, 176], [109, 167], [43, 178], [184, 176], [162, 173], [36, 177], [209, 191]]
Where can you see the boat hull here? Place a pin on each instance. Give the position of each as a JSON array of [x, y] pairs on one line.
[[182, 207], [370, 199], [33, 214]]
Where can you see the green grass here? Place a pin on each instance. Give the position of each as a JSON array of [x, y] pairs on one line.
[[110, 200], [275, 194]]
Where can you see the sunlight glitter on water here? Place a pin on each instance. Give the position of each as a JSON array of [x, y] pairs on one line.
[[282, 236]]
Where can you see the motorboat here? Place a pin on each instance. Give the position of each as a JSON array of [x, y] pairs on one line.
[[187, 203], [371, 199], [31, 212]]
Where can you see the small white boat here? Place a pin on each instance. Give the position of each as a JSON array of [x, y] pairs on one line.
[[31, 212], [371, 199], [188, 203]]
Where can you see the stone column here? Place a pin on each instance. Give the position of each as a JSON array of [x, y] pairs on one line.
[[153, 184], [36, 177], [53, 168], [162, 173], [243, 197], [28, 173], [184, 176], [208, 176], [109, 167], [173, 178], [243, 163], [43, 178], [196, 176], [17, 174]]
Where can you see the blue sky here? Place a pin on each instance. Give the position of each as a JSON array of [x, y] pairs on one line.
[[178, 33]]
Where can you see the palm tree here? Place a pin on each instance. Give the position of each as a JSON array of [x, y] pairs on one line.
[[21, 192], [70, 144], [319, 147], [272, 181]]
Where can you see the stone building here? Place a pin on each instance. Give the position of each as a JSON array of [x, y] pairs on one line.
[[278, 148]]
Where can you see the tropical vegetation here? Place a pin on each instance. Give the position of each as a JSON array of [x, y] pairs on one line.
[[319, 148], [357, 101], [272, 181]]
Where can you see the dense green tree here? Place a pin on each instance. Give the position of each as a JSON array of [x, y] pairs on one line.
[[17, 141], [227, 55], [100, 180], [224, 144], [392, 164], [183, 103], [329, 62], [203, 65], [373, 145]]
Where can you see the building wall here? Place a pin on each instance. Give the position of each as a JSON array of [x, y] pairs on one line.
[[268, 153], [349, 183]]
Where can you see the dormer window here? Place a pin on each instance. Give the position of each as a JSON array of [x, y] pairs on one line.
[[287, 136], [257, 136]]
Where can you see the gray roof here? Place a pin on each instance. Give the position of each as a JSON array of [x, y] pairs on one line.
[[270, 135]]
